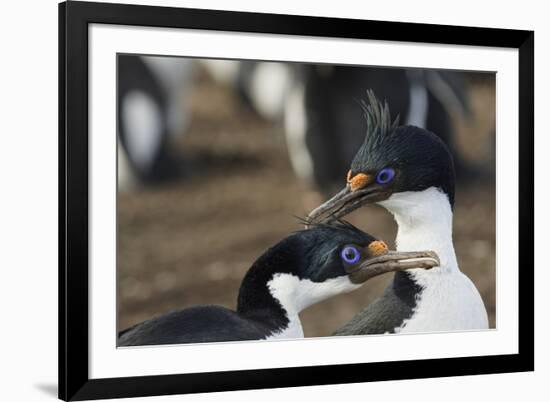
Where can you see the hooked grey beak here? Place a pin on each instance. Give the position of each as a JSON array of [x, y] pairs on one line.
[[345, 202], [393, 261]]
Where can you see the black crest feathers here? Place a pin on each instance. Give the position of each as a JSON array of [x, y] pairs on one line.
[[378, 116], [379, 130]]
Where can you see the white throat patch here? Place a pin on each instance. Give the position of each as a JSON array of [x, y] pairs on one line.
[[295, 294], [425, 222]]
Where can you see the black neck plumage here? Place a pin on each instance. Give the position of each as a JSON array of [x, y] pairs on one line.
[[255, 300]]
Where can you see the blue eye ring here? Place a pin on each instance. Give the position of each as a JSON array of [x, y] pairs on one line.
[[385, 176], [350, 255]]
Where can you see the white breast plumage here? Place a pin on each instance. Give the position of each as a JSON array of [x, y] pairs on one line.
[[448, 300]]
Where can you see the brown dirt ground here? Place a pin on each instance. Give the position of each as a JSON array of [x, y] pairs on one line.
[[190, 242]]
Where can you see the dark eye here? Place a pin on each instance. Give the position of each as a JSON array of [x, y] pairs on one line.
[[385, 176], [350, 254]]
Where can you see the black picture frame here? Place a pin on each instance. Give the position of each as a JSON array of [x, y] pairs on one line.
[[74, 19]]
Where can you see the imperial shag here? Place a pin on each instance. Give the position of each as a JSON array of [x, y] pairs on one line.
[[305, 268], [409, 171]]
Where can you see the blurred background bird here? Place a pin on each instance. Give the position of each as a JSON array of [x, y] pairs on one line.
[[252, 144], [152, 111]]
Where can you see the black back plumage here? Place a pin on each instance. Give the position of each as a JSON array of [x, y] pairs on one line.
[[198, 324]]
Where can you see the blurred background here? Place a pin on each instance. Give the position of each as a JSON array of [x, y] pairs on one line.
[[217, 158]]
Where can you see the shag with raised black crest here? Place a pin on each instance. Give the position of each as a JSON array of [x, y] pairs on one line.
[[409, 171]]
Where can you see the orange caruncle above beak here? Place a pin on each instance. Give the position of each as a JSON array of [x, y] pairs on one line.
[[377, 248], [358, 181]]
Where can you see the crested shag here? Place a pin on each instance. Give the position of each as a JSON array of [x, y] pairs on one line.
[[409, 171], [305, 268]]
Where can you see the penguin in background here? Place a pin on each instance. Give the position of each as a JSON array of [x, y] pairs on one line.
[[323, 122], [261, 86], [151, 112], [318, 108]]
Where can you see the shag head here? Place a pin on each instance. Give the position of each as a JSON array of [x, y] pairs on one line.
[[321, 262], [312, 265], [338, 249], [393, 159]]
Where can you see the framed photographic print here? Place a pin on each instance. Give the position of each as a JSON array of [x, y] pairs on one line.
[[258, 200]]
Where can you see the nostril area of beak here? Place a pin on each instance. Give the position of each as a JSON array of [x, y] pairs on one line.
[[377, 248], [358, 181]]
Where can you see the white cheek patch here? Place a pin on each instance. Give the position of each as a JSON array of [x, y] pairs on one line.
[[142, 119], [295, 294]]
